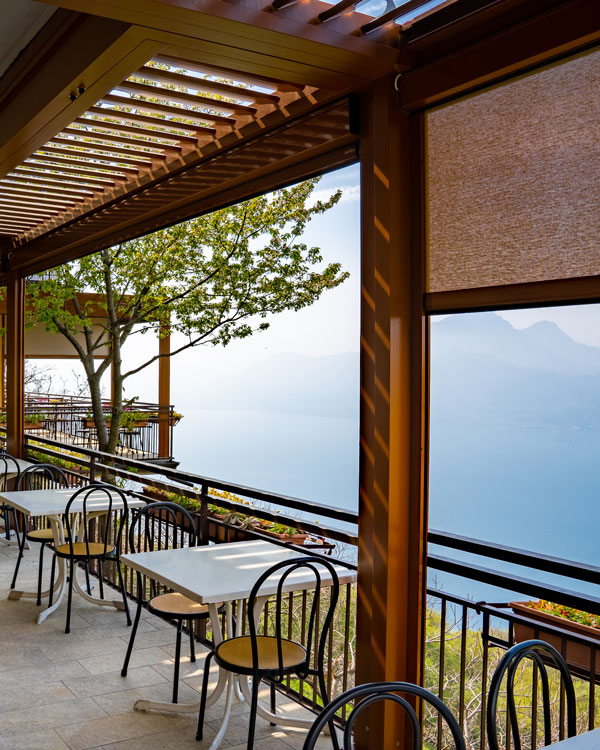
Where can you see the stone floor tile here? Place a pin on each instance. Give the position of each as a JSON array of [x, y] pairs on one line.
[[34, 695], [112, 729], [38, 718], [113, 682], [46, 740], [123, 701], [113, 662]]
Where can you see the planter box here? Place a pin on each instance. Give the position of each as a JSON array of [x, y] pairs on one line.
[[299, 538], [34, 426], [578, 655], [89, 423]]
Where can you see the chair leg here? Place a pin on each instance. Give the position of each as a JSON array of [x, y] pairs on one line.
[[138, 612], [40, 571], [192, 641], [101, 578], [52, 571], [70, 597], [87, 578], [253, 707], [273, 702], [177, 657], [202, 711], [19, 558], [124, 593], [325, 699]]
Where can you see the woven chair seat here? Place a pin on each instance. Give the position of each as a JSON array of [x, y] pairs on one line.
[[237, 652], [80, 549], [177, 604], [40, 535]]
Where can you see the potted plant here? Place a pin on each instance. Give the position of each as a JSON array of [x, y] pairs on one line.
[[281, 531], [571, 620]]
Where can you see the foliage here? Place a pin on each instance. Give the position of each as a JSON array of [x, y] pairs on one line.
[[568, 613], [29, 418], [212, 279]]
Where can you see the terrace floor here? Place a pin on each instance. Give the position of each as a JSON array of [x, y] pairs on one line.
[[65, 692]]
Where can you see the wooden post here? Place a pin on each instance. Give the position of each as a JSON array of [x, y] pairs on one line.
[[164, 392], [392, 527], [2, 364], [15, 363]]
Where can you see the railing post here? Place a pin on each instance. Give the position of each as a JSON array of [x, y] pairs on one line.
[[203, 521], [93, 469]]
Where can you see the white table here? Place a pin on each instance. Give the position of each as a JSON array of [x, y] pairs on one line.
[[225, 573], [51, 504], [585, 741]]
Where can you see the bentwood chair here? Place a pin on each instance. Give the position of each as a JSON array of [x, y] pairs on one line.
[[38, 477], [272, 656], [541, 653], [80, 549], [164, 525], [9, 470], [384, 691]]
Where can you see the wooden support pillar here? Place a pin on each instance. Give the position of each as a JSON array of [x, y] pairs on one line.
[[15, 363], [164, 393], [3, 363], [393, 511]]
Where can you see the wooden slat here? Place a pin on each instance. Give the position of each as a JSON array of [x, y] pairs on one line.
[[126, 141], [336, 10], [79, 172], [186, 114], [174, 95], [153, 122], [108, 164], [234, 75], [14, 218], [50, 210], [202, 84], [59, 151], [51, 193], [107, 146], [391, 15], [119, 127], [7, 192], [67, 187]]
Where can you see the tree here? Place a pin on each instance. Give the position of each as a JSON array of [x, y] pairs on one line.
[[212, 279]]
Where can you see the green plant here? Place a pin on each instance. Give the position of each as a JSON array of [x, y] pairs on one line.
[[567, 613]]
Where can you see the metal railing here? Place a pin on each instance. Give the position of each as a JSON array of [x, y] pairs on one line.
[[464, 639], [68, 419]]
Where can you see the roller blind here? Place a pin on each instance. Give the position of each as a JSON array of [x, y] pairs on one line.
[[512, 180]]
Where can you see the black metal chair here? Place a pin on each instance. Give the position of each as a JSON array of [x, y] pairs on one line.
[[164, 525], [274, 657], [9, 469], [540, 653], [79, 549], [37, 477], [383, 691]]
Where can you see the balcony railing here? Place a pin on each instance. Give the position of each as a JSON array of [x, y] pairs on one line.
[[68, 419], [464, 638]]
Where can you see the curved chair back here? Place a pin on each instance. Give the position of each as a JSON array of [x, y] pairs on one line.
[[161, 525], [539, 652], [317, 566], [114, 502], [42, 477], [383, 691], [8, 465]]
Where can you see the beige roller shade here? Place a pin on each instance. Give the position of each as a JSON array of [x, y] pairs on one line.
[[512, 181]]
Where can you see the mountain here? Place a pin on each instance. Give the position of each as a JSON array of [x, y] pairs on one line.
[[325, 386], [542, 346]]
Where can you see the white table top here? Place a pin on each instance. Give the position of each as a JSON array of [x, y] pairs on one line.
[[224, 572], [53, 502], [585, 741], [10, 465]]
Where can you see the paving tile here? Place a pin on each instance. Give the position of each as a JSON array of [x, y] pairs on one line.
[[113, 662], [123, 701], [46, 740], [112, 729], [34, 695], [182, 739], [38, 718], [112, 682]]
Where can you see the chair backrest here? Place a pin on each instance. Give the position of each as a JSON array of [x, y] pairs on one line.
[[322, 570], [8, 465], [42, 477], [383, 691], [540, 653], [84, 505]]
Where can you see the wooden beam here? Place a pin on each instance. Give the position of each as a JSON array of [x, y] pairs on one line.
[[15, 362], [540, 39], [392, 507]]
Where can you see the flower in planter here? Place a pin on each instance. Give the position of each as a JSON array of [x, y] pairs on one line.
[[567, 613]]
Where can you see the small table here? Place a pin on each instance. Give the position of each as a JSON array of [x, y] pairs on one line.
[[51, 503], [585, 741], [224, 573], [22, 464]]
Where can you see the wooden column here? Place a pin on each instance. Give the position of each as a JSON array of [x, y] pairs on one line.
[[15, 363], [392, 531], [2, 363], [164, 393]]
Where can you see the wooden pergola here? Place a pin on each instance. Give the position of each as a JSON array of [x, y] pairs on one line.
[[124, 116]]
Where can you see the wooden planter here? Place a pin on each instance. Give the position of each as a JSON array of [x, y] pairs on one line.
[[89, 423], [578, 655], [299, 538], [34, 425]]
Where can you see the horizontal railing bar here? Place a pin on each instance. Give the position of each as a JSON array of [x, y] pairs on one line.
[[511, 582], [547, 563]]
